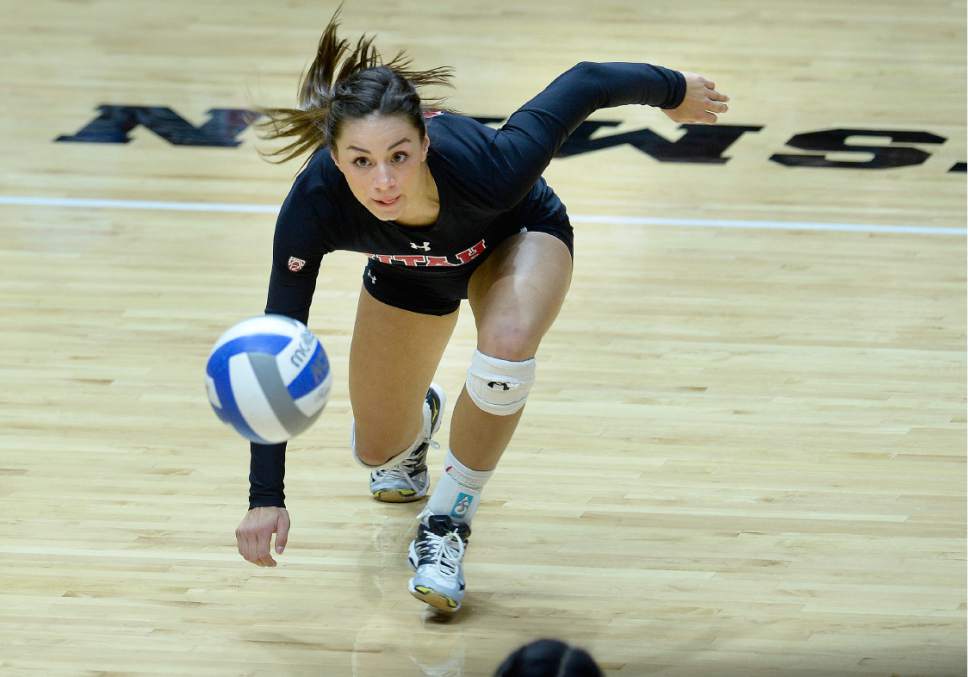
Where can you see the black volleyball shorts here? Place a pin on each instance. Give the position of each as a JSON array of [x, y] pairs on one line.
[[439, 292]]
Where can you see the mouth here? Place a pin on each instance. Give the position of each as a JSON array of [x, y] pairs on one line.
[[387, 203]]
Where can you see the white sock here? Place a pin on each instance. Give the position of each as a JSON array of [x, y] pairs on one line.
[[458, 491]]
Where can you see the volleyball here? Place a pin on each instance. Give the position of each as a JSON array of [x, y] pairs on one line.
[[268, 377]]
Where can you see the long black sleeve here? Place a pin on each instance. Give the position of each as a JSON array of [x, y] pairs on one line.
[[297, 251], [298, 247], [289, 295], [525, 145], [267, 470]]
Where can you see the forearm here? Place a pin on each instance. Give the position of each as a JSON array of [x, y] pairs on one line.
[[267, 471], [267, 465], [290, 294], [533, 134], [587, 87]]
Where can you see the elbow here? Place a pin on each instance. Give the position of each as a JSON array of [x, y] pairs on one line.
[[586, 68], [589, 74], [589, 78]]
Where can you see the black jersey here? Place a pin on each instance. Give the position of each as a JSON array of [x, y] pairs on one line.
[[489, 183]]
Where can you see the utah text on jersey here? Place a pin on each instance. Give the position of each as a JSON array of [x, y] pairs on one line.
[[422, 260]]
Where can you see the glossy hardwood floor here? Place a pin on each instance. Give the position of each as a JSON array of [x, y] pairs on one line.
[[745, 453]]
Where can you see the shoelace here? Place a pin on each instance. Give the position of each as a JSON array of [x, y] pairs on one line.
[[402, 470], [446, 551]]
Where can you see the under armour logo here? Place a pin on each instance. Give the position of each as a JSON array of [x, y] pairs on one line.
[[371, 276], [500, 385], [422, 247]]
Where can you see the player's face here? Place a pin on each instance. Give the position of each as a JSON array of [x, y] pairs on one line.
[[382, 158]]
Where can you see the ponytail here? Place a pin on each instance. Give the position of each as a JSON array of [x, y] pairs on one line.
[[342, 84]]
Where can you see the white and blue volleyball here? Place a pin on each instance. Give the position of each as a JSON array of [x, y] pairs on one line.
[[268, 377]]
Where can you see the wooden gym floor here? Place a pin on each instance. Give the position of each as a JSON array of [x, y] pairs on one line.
[[745, 453]]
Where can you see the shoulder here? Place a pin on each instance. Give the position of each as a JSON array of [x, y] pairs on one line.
[[319, 189], [468, 154], [311, 208], [454, 135], [317, 182]]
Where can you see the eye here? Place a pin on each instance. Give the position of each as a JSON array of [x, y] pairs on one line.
[[400, 157], [361, 162]]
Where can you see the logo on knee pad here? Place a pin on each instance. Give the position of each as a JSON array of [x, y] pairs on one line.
[[499, 387], [461, 506]]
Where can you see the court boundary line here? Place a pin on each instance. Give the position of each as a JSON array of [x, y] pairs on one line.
[[241, 208]]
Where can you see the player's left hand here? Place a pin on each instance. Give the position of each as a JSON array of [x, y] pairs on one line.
[[702, 102]]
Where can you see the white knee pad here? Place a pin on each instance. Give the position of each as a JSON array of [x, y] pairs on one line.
[[499, 387]]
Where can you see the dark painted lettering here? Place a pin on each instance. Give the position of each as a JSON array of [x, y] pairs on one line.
[[113, 124], [703, 144], [884, 157]]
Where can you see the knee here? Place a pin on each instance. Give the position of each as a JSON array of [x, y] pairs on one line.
[[371, 450], [371, 456], [513, 341], [498, 386]]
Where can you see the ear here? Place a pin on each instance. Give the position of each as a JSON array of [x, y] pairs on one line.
[[332, 154], [426, 146]]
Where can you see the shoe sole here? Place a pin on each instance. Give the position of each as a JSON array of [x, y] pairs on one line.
[[427, 595], [398, 495], [409, 495], [435, 599]]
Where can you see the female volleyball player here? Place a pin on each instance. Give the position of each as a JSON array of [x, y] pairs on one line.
[[446, 209]]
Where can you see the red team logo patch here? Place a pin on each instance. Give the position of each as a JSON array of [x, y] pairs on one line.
[[295, 265]]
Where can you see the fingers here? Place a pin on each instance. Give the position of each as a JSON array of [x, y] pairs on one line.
[[265, 559], [282, 532], [702, 104], [254, 547], [249, 549], [260, 551], [716, 107], [262, 556]]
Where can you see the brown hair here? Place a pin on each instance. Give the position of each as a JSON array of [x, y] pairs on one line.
[[340, 86]]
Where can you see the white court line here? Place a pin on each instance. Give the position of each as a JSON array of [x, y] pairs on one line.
[[576, 218], [136, 204]]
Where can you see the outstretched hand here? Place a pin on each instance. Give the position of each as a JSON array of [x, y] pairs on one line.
[[255, 534], [701, 103]]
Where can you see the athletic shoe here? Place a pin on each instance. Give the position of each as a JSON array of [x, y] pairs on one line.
[[409, 480], [436, 555]]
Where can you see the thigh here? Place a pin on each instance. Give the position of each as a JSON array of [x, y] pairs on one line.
[[517, 292], [393, 357]]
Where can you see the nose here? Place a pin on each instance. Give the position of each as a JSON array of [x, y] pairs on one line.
[[384, 179]]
